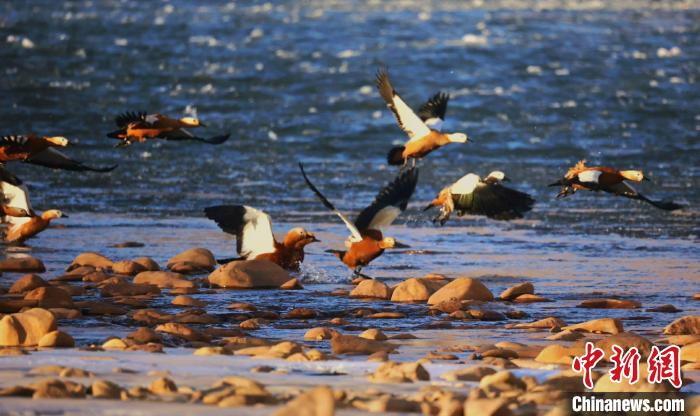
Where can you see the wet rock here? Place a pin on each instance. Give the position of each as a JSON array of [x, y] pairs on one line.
[[319, 333], [603, 325], [16, 391], [193, 261], [682, 339], [546, 323], [487, 407], [163, 386], [475, 373], [392, 372], [605, 384], [147, 263], [316, 402], [293, 284], [249, 274], [349, 344], [95, 277], [566, 336], [57, 339], [26, 328], [75, 373], [242, 306], [664, 309], [416, 290], [387, 315], [448, 306], [517, 290], [379, 356], [16, 305], [164, 280], [144, 335], [555, 354], [687, 325], [92, 259], [50, 297], [387, 404], [253, 323], [301, 313], [24, 264], [150, 316], [371, 288], [502, 378], [696, 296], [128, 244], [57, 389], [183, 331], [486, 315], [27, 283], [203, 351], [127, 267], [691, 352], [104, 389], [99, 308], [609, 304], [374, 334], [462, 288], [115, 344], [436, 356], [183, 300], [626, 340], [64, 313], [529, 298], [128, 289]]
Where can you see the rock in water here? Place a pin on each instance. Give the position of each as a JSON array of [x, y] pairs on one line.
[[391, 372], [127, 267], [416, 290], [371, 288], [96, 260], [609, 304], [57, 339], [513, 292], [164, 280], [462, 288], [26, 328], [317, 402], [193, 261], [26, 283], [687, 325], [349, 344], [249, 274], [25, 264], [50, 297], [602, 325]]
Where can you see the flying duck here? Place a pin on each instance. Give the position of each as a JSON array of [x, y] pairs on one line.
[[423, 129], [42, 150], [476, 196], [254, 238], [610, 180], [366, 241], [139, 126], [9, 187], [26, 226]]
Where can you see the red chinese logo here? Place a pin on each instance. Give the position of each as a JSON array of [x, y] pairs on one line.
[[625, 364], [665, 365], [587, 362]]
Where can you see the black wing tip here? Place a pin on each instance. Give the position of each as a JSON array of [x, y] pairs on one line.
[[215, 139], [123, 119], [100, 170], [326, 203], [395, 156]]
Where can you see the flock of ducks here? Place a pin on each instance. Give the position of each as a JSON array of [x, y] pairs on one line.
[[252, 227], [471, 194]]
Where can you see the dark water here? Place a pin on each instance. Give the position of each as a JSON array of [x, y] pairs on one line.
[[536, 88]]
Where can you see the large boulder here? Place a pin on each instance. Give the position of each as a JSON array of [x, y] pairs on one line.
[[57, 339], [26, 328], [687, 325], [50, 297], [249, 274], [164, 280], [316, 402], [371, 288], [416, 290], [193, 261], [127, 267], [609, 304], [462, 288], [96, 260], [148, 263], [26, 283], [24, 264], [600, 326], [513, 292]]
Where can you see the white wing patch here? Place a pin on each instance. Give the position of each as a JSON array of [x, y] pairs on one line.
[[411, 123], [16, 197], [590, 176], [434, 123], [384, 217], [466, 184], [151, 118], [257, 237], [355, 235]]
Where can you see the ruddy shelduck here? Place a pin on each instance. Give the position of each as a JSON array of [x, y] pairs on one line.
[[254, 238], [366, 241], [423, 130], [140, 126], [606, 179], [476, 196], [39, 150], [34, 225]]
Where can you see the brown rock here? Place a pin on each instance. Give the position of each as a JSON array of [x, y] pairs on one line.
[[502, 378], [319, 333], [128, 289], [687, 325], [609, 304], [253, 323], [16, 305], [50, 297], [301, 313], [148, 264], [27, 283], [16, 391], [127, 267], [448, 306], [486, 315], [183, 331], [349, 344], [183, 300], [98, 261], [546, 323], [556, 354], [26, 328], [57, 339], [196, 260], [150, 316], [462, 288], [416, 290], [57, 389], [691, 352], [374, 334], [115, 344], [99, 308], [391, 372], [95, 277], [529, 298], [475, 373], [144, 335], [293, 284], [602, 325], [163, 386], [566, 336], [517, 290], [249, 274], [243, 306], [387, 315], [626, 340], [664, 309], [371, 288], [605, 384], [24, 264], [487, 407], [164, 280], [103, 389], [319, 401]]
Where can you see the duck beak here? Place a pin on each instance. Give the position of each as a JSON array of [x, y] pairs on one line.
[[401, 245], [506, 179], [314, 239], [432, 203], [64, 216], [646, 179], [202, 124]]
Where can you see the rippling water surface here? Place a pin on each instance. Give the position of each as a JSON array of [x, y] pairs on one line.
[[538, 85]]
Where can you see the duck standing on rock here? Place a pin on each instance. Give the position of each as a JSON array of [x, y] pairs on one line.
[[606, 179], [366, 241], [42, 150], [140, 126], [424, 130], [254, 238], [476, 196]]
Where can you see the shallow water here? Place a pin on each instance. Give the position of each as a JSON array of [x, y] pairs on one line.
[[537, 88]]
